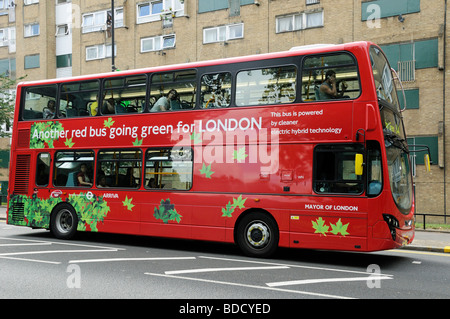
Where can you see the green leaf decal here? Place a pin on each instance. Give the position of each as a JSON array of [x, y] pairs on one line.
[[339, 228], [238, 203], [166, 211], [320, 227], [109, 122], [206, 170], [196, 137], [69, 143], [127, 203], [240, 154], [138, 142]]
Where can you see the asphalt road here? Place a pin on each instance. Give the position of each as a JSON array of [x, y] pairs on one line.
[[33, 264]]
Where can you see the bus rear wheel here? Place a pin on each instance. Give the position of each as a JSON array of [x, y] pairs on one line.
[[64, 222], [257, 235]]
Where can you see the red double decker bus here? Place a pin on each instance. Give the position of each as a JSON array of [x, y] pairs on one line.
[[304, 149]]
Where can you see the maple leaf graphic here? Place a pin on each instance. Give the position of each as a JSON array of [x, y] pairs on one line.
[[320, 227], [339, 228], [239, 155], [206, 170], [127, 203]]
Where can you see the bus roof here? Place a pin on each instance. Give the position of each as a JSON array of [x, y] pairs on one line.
[[306, 49]]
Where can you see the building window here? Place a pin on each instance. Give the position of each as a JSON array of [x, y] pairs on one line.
[[154, 10], [223, 33], [299, 21], [64, 61], [62, 30], [32, 61], [100, 51], [96, 21], [388, 8], [28, 2], [157, 43], [31, 30]]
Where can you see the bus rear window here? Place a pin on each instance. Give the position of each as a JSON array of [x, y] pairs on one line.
[[328, 77], [266, 86], [39, 102]]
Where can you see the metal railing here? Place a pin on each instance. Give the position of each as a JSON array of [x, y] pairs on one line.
[[407, 70], [431, 215]]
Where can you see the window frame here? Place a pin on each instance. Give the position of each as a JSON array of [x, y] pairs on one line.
[[227, 36], [336, 149], [118, 161], [168, 150], [161, 39]]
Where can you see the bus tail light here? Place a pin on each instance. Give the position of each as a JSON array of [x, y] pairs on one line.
[[392, 223]]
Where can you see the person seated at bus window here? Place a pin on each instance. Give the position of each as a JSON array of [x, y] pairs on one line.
[[94, 106], [102, 181], [109, 106], [82, 177], [152, 183], [163, 104], [328, 90], [49, 111]]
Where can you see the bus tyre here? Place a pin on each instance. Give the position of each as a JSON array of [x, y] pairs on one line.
[[257, 235], [64, 222]]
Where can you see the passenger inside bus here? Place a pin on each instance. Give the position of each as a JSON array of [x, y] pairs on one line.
[[329, 88], [82, 177], [164, 103]]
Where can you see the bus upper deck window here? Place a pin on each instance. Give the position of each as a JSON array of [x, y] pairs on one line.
[[329, 77], [39, 102], [276, 85]]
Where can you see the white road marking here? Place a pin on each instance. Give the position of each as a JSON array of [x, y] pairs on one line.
[[191, 271], [250, 286], [323, 280], [128, 259], [33, 260]]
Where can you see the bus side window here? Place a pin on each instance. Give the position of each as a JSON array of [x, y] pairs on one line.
[[334, 169], [331, 76], [36, 102], [70, 166], [216, 90], [168, 169], [275, 85], [173, 91], [374, 170], [75, 98], [43, 169], [119, 168], [124, 95]]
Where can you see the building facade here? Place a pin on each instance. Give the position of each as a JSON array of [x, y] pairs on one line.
[[58, 38]]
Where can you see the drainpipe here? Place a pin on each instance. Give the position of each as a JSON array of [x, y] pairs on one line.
[[443, 109]]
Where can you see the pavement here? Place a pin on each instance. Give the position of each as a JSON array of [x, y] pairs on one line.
[[425, 240]]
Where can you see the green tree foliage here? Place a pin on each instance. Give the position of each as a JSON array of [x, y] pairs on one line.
[[7, 102]]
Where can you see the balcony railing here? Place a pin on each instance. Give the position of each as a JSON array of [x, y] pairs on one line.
[[407, 70]]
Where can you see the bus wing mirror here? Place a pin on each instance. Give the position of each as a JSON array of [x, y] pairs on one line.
[[359, 161], [426, 159]]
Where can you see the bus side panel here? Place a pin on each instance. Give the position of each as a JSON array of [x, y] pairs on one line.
[[330, 224]]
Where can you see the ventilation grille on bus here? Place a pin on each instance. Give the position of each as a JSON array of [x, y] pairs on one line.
[[21, 177], [23, 138], [17, 212]]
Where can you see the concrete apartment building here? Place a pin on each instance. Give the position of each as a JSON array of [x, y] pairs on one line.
[[57, 38]]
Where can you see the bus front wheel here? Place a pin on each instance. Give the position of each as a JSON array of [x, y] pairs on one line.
[[64, 222], [257, 235]]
